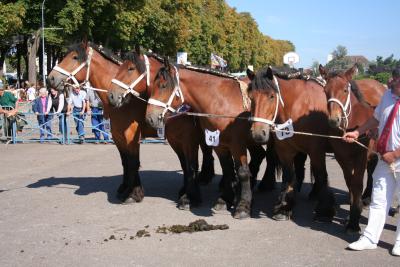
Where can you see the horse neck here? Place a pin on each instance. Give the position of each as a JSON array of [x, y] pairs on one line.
[[101, 73], [207, 93], [300, 98]]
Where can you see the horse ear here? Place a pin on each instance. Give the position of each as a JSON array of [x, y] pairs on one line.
[[166, 63], [269, 74], [85, 42], [350, 73], [323, 71], [250, 74], [137, 49]]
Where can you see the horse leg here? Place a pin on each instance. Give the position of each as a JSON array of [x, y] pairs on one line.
[[356, 185], [207, 167], [133, 191], [324, 210], [371, 164], [299, 162], [192, 188], [257, 154], [268, 181], [284, 207], [122, 187], [243, 207], [227, 196]]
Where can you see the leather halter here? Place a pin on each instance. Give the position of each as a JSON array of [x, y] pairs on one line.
[[167, 106], [130, 88]]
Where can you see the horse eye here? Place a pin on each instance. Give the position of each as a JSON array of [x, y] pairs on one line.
[[131, 68], [271, 96], [75, 57]]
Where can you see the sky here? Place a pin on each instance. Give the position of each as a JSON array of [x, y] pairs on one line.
[[366, 27]]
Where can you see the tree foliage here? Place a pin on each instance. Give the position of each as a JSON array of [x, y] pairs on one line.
[[199, 27]]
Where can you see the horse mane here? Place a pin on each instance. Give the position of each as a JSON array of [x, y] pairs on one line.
[[261, 81], [358, 94], [135, 58], [208, 71], [286, 73], [105, 52]]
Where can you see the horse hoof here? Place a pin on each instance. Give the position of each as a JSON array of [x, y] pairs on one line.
[[242, 211], [242, 214], [128, 201], [220, 204], [281, 217], [183, 203], [138, 194]]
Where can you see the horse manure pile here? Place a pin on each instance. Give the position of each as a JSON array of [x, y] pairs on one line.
[[196, 226], [142, 233]]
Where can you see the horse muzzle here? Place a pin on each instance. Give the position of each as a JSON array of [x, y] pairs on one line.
[[260, 135], [155, 120], [334, 121], [56, 80], [115, 100]]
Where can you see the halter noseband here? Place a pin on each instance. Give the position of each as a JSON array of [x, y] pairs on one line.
[[71, 75], [130, 88], [278, 99], [346, 108], [167, 106]]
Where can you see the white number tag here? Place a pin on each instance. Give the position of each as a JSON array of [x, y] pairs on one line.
[[212, 138], [284, 130], [161, 132]]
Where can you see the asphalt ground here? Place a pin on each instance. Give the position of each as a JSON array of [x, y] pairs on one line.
[[58, 208]]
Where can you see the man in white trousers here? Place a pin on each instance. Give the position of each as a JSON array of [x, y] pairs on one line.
[[386, 177]]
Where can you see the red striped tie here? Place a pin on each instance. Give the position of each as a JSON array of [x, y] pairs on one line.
[[384, 138]]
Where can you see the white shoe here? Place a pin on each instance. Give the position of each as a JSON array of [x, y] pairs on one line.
[[362, 244], [396, 249]]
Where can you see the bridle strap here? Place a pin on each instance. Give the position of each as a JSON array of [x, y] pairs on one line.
[[278, 99], [346, 108], [71, 75], [130, 88], [176, 92]]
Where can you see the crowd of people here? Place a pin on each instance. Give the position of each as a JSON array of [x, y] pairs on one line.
[[48, 104]]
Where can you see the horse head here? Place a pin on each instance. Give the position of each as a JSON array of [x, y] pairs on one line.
[[132, 78], [71, 69], [338, 92], [265, 96], [165, 95]]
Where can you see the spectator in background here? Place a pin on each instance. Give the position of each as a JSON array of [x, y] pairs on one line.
[[95, 109], [8, 107], [77, 104], [30, 92], [39, 107], [57, 104]]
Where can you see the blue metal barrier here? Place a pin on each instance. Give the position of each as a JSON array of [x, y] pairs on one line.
[[31, 131]]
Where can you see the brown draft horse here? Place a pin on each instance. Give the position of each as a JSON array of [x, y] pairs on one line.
[[277, 100], [212, 93], [350, 104], [126, 125], [138, 69]]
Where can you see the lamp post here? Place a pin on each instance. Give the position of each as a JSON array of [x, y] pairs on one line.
[[43, 67]]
